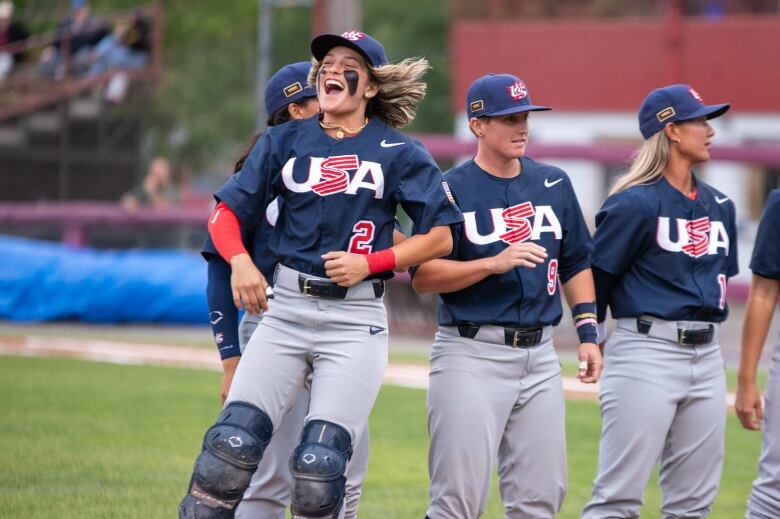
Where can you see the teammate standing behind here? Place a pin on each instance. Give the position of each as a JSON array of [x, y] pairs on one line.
[[765, 499], [287, 97], [341, 177], [495, 385], [664, 247]]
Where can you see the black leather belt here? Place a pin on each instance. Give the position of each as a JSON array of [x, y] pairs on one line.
[[321, 288], [685, 336], [514, 337]]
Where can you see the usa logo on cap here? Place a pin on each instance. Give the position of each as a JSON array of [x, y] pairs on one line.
[[518, 90], [353, 35], [695, 95]]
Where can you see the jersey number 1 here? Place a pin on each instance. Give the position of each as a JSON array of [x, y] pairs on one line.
[[552, 276], [722, 283], [360, 243]]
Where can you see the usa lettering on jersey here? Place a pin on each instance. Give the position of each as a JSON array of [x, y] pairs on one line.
[[514, 224], [694, 237], [330, 175]]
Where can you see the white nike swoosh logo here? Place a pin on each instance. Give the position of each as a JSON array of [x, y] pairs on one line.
[[721, 200], [547, 183], [386, 144]]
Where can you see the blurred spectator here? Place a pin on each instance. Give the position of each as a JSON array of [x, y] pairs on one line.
[[10, 31], [140, 35], [156, 190], [126, 47], [79, 34]]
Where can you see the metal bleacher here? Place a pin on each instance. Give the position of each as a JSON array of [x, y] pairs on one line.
[[69, 136]]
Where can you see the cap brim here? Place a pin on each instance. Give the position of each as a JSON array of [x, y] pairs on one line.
[[709, 111], [324, 42], [518, 109], [308, 91]]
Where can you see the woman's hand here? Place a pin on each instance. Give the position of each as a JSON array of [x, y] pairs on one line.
[[518, 255], [749, 408], [591, 363], [248, 285], [346, 269]]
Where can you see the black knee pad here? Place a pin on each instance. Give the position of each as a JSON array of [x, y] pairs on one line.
[[317, 466], [193, 508], [232, 449]]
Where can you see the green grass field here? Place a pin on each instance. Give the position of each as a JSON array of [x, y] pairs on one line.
[[84, 440]]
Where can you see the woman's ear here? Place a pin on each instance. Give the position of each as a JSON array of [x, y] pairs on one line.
[[477, 127], [372, 89], [294, 111], [672, 132]]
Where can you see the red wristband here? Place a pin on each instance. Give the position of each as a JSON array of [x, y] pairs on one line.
[[225, 232], [381, 261]]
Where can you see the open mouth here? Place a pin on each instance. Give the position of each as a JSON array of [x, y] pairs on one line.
[[333, 86]]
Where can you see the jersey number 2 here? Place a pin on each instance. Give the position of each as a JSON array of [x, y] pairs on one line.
[[722, 283], [360, 243], [552, 276]]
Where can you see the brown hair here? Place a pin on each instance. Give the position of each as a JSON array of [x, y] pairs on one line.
[[401, 89]]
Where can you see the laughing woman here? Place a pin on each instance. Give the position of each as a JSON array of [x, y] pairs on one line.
[[341, 176]]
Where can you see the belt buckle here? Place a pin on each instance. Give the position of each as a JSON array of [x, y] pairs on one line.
[[307, 287], [696, 337], [515, 338], [688, 339]]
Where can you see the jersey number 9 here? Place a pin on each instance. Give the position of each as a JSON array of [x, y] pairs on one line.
[[552, 276]]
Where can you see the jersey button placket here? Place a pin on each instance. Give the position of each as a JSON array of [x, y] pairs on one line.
[[324, 237], [698, 265], [517, 271]]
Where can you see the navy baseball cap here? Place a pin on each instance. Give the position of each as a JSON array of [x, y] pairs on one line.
[[287, 86], [356, 40], [499, 94], [674, 104]]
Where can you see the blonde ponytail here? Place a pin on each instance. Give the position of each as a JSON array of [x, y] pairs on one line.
[[647, 164]]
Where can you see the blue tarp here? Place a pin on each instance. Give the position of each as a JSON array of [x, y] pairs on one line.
[[42, 281]]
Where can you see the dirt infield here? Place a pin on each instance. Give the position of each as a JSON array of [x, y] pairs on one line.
[[116, 352]]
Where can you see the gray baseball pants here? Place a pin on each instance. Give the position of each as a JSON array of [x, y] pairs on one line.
[[661, 402], [764, 500], [324, 344], [488, 404]]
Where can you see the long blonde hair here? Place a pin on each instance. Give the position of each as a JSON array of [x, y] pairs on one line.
[[400, 90], [647, 164]]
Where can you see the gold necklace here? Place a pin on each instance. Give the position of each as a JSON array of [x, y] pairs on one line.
[[341, 129]]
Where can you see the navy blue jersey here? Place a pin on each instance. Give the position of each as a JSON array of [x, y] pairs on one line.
[[223, 314], [671, 256], [540, 206], [339, 194], [766, 252]]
